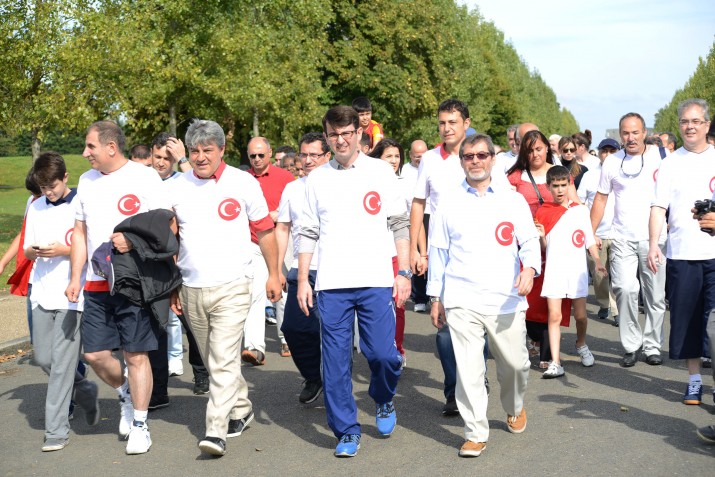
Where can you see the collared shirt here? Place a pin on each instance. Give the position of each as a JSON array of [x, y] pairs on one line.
[[216, 175], [476, 246], [64, 200]]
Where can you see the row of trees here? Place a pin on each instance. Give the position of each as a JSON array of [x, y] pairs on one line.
[[700, 85], [259, 66]]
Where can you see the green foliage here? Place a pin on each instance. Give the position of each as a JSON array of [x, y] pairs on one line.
[[700, 85]]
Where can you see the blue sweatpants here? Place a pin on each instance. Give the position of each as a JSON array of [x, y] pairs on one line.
[[376, 322]]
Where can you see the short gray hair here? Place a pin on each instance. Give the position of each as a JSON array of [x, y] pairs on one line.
[[694, 102], [473, 139], [204, 132]]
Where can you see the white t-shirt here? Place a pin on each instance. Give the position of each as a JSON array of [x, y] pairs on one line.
[[482, 236], [350, 209], [213, 215], [290, 211], [685, 177], [408, 180], [47, 223], [591, 162], [567, 244], [438, 174], [587, 192], [503, 162], [634, 195], [105, 200]]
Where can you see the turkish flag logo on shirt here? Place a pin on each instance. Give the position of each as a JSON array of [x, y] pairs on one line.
[[505, 233], [578, 238], [372, 203], [229, 209], [68, 237], [129, 204], [655, 174], [712, 184]]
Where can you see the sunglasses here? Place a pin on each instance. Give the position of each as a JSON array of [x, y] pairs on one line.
[[253, 156], [482, 156], [568, 149]]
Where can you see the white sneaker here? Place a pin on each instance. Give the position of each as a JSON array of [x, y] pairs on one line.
[[420, 307], [139, 440], [176, 367], [126, 416], [586, 356], [555, 370]]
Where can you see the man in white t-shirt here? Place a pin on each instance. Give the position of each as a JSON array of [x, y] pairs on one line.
[[114, 189], [214, 205], [484, 227], [587, 192], [630, 175], [685, 176], [352, 206], [302, 334], [409, 178]]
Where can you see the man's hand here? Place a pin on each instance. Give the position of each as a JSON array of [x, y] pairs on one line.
[[439, 318], [175, 148], [305, 296], [655, 258], [525, 281], [707, 221], [417, 262], [120, 242], [284, 283], [401, 290], [176, 303], [273, 288], [52, 249], [601, 269], [599, 243], [72, 292]]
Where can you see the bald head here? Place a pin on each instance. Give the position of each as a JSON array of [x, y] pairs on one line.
[[417, 149], [259, 154], [523, 129]]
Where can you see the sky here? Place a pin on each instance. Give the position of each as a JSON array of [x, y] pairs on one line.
[[605, 58]]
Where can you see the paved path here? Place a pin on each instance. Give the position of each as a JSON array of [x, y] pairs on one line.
[[603, 420]]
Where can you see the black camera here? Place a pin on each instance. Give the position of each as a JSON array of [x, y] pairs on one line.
[[702, 207]]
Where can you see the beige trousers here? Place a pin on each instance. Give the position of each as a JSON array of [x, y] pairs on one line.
[[507, 344], [602, 284], [216, 316]]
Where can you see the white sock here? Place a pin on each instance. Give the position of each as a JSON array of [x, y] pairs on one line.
[[696, 378], [140, 416], [123, 390]]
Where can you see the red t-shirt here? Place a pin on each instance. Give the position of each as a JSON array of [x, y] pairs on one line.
[[272, 182]]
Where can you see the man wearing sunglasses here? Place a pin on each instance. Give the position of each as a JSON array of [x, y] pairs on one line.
[[630, 176], [273, 180]]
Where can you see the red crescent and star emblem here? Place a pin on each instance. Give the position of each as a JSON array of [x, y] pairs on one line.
[[229, 209], [68, 237], [712, 184], [504, 233], [578, 238], [372, 203], [655, 174], [129, 204]]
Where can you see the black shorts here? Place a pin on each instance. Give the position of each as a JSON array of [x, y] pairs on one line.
[[111, 322]]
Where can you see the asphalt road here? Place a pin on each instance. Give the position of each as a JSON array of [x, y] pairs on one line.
[[603, 420]]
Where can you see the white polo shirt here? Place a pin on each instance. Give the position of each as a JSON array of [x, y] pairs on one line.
[[213, 217], [685, 177], [47, 222], [290, 211], [439, 173], [486, 238], [587, 192], [634, 195], [105, 200], [503, 162], [350, 208]]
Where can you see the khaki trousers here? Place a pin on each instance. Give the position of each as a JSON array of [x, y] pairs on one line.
[[602, 284]]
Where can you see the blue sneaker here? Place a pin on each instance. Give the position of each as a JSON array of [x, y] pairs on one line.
[[693, 393], [348, 445], [386, 418]]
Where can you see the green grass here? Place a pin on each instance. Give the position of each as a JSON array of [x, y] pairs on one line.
[[13, 198]]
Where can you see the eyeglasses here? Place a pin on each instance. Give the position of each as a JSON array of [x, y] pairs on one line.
[[253, 156], [695, 122], [631, 176], [568, 149], [313, 156], [482, 156], [346, 135]]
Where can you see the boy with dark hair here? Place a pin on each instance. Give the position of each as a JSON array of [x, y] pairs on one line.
[[565, 229], [56, 320], [365, 141], [369, 126]]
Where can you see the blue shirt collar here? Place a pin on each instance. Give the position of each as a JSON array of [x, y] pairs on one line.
[[472, 190], [64, 200]]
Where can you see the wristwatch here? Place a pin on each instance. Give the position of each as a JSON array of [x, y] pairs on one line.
[[183, 160], [434, 299], [405, 273]]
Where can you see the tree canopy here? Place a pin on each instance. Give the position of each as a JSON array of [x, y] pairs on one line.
[[260, 67]]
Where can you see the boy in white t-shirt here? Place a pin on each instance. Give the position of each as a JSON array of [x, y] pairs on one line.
[[56, 320], [565, 229]]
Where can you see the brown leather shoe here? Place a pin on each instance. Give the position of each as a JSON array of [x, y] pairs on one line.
[[253, 356], [472, 449], [517, 424]]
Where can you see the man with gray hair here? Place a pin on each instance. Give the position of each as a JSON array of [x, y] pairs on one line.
[[215, 205], [686, 176], [481, 215], [554, 146]]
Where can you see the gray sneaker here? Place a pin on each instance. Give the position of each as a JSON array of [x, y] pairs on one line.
[[54, 444]]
